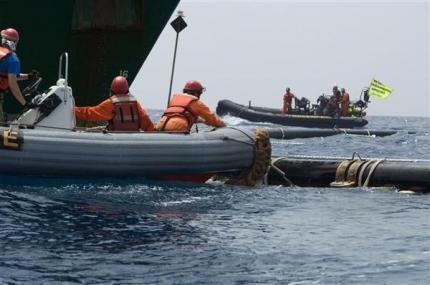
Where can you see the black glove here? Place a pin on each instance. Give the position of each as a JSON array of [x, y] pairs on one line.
[[30, 105], [34, 74]]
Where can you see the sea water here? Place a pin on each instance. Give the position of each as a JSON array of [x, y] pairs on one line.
[[68, 231]]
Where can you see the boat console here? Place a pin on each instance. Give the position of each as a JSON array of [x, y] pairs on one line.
[[54, 107]]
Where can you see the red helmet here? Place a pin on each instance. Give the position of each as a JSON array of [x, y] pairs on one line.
[[119, 86], [10, 34], [194, 86]]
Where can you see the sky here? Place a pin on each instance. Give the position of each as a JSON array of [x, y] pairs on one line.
[[245, 50]]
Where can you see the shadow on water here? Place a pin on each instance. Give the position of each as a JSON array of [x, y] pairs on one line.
[[113, 216], [124, 232]]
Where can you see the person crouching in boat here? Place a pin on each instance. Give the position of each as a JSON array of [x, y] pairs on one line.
[[332, 108], [10, 69], [185, 109], [122, 110], [322, 102], [344, 103], [287, 100]]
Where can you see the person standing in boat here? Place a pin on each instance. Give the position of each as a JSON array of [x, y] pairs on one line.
[[185, 109], [10, 69], [287, 100], [122, 110], [344, 103]]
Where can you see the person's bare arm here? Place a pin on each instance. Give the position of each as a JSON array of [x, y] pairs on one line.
[[14, 88], [22, 76]]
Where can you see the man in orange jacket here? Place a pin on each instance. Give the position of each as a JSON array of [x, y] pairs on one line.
[[185, 109], [288, 100], [122, 110], [344, 103]]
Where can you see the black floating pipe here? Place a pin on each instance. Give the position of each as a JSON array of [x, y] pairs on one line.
[[288, 134], [314, 172]]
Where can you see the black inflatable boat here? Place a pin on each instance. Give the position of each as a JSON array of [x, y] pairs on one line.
[[275, 116]]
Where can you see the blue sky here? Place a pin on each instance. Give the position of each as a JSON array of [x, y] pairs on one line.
[[252, 50]]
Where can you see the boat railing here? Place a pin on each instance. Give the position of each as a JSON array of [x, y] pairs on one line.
[[64, 58]]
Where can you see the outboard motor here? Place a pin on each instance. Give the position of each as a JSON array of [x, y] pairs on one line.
[[55, 107], [366, 95], [303, 104], [357, 108]]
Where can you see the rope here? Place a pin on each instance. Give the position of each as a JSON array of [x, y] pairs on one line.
[[272, 163], [283, 132], [361, 173], [350, 173], [281, 173], [372, 170], [262, 159], [243, 132], [20, 126], [344, 175], [343, 130], [364, 158], [356, 154]]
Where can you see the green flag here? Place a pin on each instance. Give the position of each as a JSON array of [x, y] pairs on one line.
[[377, 89]]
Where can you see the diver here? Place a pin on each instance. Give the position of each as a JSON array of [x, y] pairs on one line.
[[10, 70], [185, 109], [122, 110]]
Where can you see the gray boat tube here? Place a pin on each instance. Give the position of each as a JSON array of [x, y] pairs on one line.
[[146, 154], [347, 172]]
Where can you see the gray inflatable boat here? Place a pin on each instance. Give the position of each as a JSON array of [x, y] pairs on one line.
[[147, 154], [44, 141]]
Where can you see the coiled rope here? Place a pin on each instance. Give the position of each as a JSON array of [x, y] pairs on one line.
[[262, 160], [350, 173]]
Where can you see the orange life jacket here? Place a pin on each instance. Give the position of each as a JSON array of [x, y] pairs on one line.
[[179, 107], [344, 105], [4, 82], [126, 116], [288, 102]]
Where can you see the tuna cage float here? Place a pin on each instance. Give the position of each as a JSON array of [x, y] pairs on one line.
[[260, 114], [342, 172], [289, 134]]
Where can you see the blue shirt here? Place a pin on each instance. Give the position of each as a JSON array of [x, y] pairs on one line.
[[10, 64]]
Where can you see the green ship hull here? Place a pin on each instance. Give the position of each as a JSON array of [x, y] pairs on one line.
[[104, 38]]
